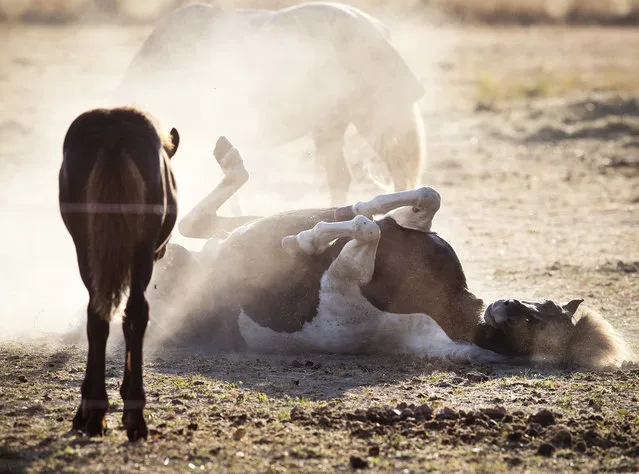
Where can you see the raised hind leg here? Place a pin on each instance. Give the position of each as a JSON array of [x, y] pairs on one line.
[[134, 327], [413, 209], [424, 201], [316, 240], [329, 150], [202, 222]]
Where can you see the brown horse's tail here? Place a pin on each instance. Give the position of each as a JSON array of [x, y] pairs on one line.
[[115, 194]]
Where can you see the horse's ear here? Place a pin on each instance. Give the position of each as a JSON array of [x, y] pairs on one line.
[[571, 306], [175, 142]]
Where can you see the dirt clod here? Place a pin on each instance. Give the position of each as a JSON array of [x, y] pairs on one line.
[[358, 463], [562, 439], [546, 450], [543, 417]]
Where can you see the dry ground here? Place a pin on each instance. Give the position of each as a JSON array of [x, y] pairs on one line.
[[533, 146]]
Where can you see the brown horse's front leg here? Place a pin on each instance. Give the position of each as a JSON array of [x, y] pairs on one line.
[[90, 414]]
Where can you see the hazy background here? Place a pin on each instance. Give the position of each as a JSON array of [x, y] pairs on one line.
[[60, 58]]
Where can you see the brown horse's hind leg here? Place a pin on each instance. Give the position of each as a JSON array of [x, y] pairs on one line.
[[94, 404], [134, 327], [329, 148]]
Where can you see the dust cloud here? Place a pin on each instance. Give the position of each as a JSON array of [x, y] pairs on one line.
[[80, 66]]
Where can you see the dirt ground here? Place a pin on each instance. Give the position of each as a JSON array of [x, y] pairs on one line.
[[532, 142]]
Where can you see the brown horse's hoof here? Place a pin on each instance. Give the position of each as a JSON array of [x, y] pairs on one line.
[[79, 421], [96, 424], [136, 426]]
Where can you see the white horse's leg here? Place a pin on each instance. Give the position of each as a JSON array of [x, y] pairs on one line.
[[314, 241], [329, 150]]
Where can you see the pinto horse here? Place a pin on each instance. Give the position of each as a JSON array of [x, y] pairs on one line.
[[336, 280], [118, 201], [266, 78]]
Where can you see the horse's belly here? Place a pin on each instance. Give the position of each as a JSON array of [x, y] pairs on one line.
[[325, 333]]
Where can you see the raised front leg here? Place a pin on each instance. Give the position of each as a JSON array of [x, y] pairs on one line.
[[202, 221]]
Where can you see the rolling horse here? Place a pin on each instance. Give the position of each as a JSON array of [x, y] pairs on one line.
[[371, 277], [266, 78], [118, 199]]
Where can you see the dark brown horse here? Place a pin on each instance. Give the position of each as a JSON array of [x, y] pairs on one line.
[[118, 202]]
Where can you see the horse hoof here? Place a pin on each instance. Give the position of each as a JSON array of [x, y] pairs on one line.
[[96, 425], [79, 421], [137, 433], [136, 427]]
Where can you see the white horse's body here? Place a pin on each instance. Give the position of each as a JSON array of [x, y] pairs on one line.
[[266, 78]]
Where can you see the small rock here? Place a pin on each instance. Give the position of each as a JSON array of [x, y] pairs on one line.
[[514, 461], [239, 434], [423, 412], [407, 413], [298, 413], [532, 432], [580, 447], [544, 418], [358, 463], [477, 377], [495, 413], [447, 414], [562, 439], [546, 450]]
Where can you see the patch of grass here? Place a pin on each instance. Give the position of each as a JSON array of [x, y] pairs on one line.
[[494, 91]]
